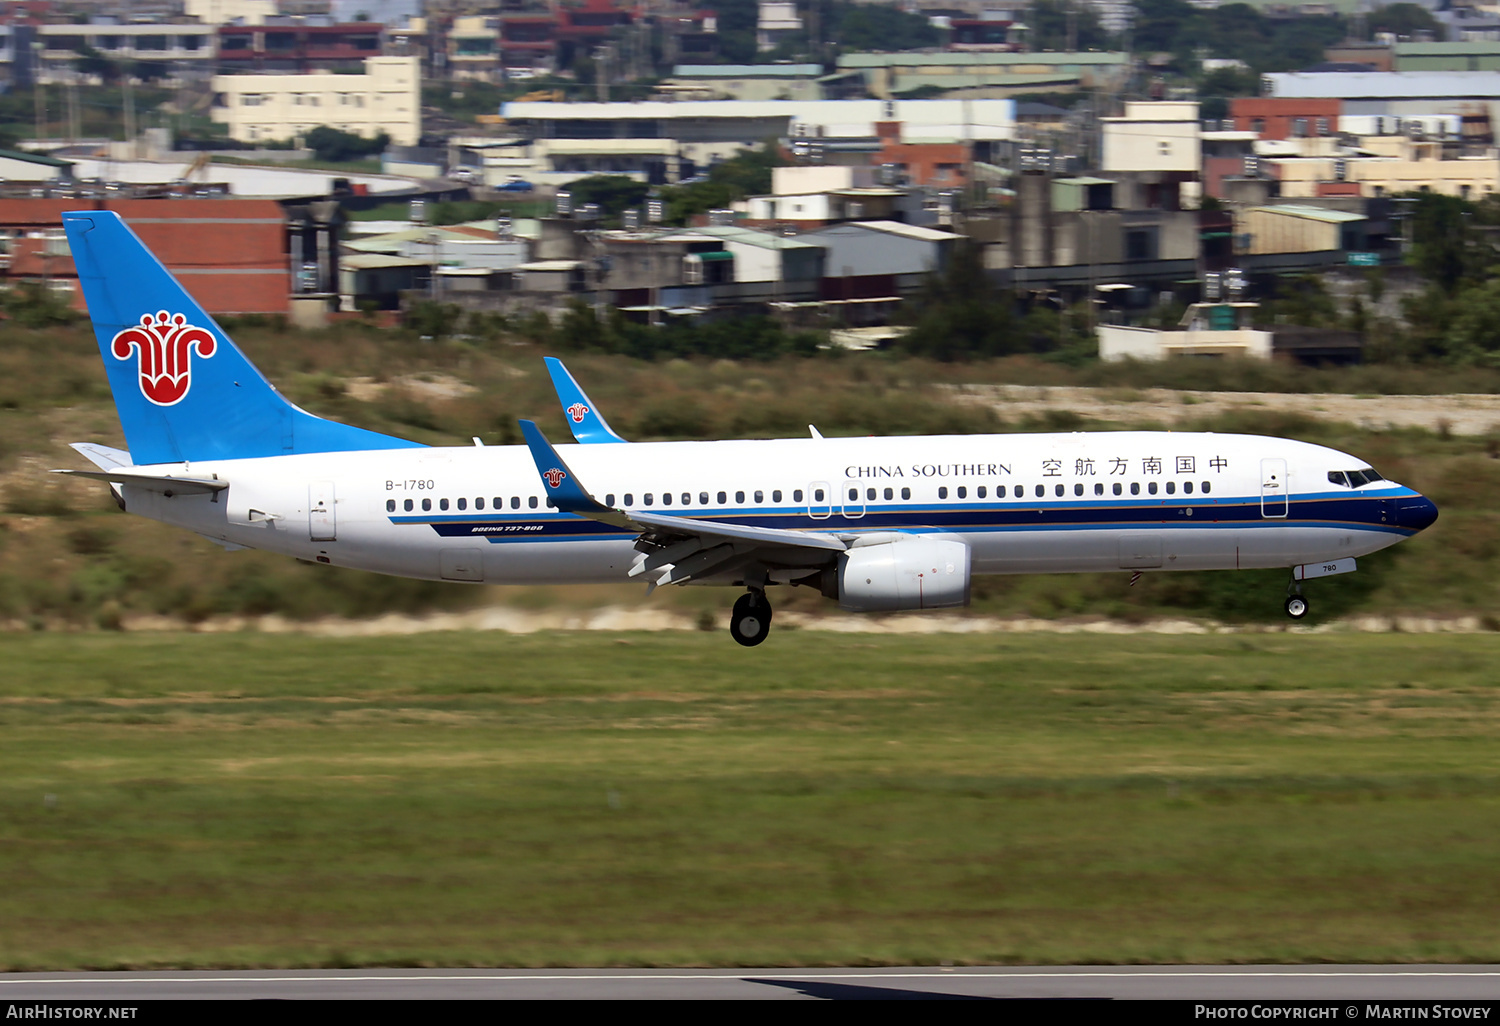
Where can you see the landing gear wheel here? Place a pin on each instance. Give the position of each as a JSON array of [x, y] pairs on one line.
[[751, 620], [1296, 607]]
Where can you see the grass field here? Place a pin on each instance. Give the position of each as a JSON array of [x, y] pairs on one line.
[[245, 800]]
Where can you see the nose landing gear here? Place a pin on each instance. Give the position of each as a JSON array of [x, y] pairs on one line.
[[750, 621]]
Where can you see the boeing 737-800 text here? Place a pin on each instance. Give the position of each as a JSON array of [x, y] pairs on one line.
[[877, 524]]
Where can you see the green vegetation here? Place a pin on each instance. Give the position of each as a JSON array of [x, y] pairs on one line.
[[333, 146], [241, 800]]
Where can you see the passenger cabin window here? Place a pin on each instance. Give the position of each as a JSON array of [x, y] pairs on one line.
[[724, 497], [609, 499], [666, 498], [426, 505], [629, 499], [479, 504], [854, 494], [687, 498], [776, 495], [463, 503], [1205, 487], [906, 493], [647, 498], [1078, 489], [1151, 487], [942, 493], [407, 505], [963, 493], [1099, 488], [981, 491], [703, 498], [1118, 489], [1058, 491], [817, 495], [531, 502], [739, 497], [797, 495], [390, 505], [1041, 490], [1187, 488], [515, 502], [760, 496], [1135, 488], [890, 493], [443, 504], [1171, 487]]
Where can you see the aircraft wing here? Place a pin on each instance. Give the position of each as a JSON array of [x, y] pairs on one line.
[[687, 547], [584, 419]]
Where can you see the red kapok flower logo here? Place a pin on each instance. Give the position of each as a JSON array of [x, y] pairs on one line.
[[554, 477], [164, 342], [578, 411]]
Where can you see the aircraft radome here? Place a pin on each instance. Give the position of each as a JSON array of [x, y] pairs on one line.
[[876, 524]]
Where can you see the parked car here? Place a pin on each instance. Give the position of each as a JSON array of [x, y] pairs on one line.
[[515, 185]]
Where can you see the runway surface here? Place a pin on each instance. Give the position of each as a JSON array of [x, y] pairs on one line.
[[1478, 983]]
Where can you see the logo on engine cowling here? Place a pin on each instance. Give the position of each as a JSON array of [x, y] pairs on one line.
[[554, 477], [578, 411], [165, 342]]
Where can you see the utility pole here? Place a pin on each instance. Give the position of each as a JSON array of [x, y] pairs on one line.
[[129, 112]]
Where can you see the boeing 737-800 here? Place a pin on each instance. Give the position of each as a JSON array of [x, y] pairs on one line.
[[877, 524]]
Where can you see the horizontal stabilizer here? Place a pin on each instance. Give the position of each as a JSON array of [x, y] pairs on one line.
[[163, 483]]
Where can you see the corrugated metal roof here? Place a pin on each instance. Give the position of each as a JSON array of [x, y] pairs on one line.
[[910, 231], [1384, 85], [751, 237], [35, 158], [747, 71], [885, 60], [1311, 213], [376, 261], [1446, 49]]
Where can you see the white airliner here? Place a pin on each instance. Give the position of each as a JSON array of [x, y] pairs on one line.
[[878, 524]]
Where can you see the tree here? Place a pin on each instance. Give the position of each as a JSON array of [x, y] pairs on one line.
[[960, 313], [1403, 20], [613, 193], [1049, 26], [94, 64], [336, 147]]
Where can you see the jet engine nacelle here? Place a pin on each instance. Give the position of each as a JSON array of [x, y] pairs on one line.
[[908, 573]]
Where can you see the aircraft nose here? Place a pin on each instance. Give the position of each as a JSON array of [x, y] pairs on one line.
[[1418, 513]]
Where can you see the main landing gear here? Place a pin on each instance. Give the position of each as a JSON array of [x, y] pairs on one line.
[[1296, 605], [751, 620]]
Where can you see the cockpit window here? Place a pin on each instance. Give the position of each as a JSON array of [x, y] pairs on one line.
[[1354, 478]]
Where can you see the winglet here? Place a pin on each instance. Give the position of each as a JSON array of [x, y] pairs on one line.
[[564, 489], [587, 423]]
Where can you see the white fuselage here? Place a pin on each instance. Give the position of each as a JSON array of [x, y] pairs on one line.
[[1042, 503]]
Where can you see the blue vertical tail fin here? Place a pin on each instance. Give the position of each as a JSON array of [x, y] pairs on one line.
[[183, 390], [588, 425]]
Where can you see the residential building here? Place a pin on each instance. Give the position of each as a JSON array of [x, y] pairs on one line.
[[1299, 228], [291, 45], [231, 254], [776, 23], [33, 167], [181, 48], [474, 49], [386, 98], [229, 12], [1275, 117]]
